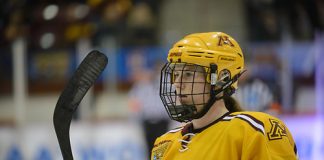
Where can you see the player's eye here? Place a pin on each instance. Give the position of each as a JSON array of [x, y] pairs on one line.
[[176, 75], [188, 74]]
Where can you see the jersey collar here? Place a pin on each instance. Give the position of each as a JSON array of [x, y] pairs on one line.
[[188, 128]]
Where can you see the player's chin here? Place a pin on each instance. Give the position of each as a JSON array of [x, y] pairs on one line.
[[182, 101], [199, 107], [187, 103]]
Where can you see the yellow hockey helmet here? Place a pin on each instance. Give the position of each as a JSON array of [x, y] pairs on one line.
[[215, 55]]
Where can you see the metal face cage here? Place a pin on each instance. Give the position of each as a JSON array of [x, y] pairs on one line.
[[184, 90]]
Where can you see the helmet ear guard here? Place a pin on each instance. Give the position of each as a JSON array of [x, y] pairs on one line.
[[226, 84]]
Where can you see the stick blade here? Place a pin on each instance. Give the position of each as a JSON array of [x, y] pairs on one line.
[[83, 78]]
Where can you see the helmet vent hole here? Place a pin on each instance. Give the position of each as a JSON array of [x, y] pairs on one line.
[[238, 68], [240, 54], [195, 52], [195, 55]]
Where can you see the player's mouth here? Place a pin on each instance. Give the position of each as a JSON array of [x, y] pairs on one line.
[[183, 99], [182, 96]]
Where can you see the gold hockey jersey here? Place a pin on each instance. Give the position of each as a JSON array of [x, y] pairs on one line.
[[238, 135]]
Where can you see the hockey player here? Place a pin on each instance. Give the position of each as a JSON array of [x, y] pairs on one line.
[[196, 88]]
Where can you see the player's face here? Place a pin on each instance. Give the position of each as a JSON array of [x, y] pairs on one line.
[[191, 86]]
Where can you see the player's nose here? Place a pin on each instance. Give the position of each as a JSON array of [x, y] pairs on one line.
[[178, 83]]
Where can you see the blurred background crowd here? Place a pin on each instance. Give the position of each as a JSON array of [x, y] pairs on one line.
[[42, 42]]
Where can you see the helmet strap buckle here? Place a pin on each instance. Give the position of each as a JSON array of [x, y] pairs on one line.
[[213, 79]]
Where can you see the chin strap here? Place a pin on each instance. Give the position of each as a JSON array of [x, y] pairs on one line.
[[228, 92]]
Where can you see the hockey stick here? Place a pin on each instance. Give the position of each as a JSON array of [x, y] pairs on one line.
[[84, 77]]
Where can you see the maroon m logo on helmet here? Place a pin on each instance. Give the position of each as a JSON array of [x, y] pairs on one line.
[[224, 40]]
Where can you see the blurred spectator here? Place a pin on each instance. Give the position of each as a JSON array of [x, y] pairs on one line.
[[110, 17], [141, 26], [262, 20], [268, 19], [302, 17], [144, 101], [256, 95]]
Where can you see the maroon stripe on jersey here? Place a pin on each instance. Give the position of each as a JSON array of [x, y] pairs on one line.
[[257, 129], [254, 119], [295, 149], [258, 125]]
